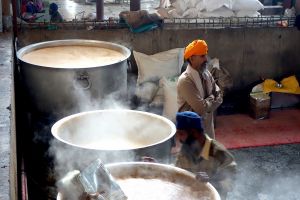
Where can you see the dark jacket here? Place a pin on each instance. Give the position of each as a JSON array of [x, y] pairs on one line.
[[220, 166], [56, 17]]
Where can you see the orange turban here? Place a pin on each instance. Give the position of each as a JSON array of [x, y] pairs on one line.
[[197, 47]]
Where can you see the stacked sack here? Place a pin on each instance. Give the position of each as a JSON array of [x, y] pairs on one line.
[[247, 8], [156, 84], [209, 8]]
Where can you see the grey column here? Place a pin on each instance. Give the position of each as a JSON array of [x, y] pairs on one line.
[[100, 10], [135, 5], [297, 7]]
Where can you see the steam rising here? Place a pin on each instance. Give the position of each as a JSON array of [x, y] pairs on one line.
[[118, 132], [66, 158], [267, 173], [112, 130]]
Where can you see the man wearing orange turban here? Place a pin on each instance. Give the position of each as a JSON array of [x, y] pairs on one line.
[[196, 88], [197, 47]]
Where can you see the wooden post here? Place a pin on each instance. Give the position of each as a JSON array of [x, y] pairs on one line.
[[287, 4], [297, 7], [6, 8], [100, 10], [135, 5]]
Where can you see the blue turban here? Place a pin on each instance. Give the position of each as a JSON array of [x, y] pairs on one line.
[[53, 7], [188, 120]]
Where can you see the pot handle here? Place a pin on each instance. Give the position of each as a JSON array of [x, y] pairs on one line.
[[79, 80]]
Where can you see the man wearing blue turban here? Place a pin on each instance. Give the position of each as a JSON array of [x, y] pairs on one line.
[[53, 12], [200, 154]]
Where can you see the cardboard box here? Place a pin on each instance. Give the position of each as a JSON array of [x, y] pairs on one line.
[[260, 105]]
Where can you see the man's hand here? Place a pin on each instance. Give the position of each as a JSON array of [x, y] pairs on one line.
[[208, 103], [219, 99], [202, 176]]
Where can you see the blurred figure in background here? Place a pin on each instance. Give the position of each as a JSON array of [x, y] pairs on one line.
[[198, 153], [55, 15]]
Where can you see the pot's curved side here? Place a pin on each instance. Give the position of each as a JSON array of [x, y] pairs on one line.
[[83, 137], [64, 91]]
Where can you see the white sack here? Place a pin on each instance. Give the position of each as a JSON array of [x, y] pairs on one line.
[[190, 13], [158, 99], [163, 13], [253, 5], [164, 4], [200, 5], [170, 98], [174, 14], [221, 12], [146, 91], [154, 67], [191, 3], [211, 5], [180, 6]]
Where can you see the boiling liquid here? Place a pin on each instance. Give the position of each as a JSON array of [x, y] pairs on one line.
[[115, 144], [73, 56], [156, 189]]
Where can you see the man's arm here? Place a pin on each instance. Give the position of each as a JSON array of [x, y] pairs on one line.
[[227, 167], [217, 92], [187, 89]]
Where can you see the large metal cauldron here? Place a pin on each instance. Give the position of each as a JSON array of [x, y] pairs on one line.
[[112, 136], [62, 91], [153, 181]]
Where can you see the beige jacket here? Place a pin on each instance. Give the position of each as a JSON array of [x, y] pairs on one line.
[[204, 101]]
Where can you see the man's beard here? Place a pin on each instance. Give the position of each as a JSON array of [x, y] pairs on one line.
[[193, 144], [203, 66]]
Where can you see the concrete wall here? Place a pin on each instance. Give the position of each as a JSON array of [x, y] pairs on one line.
[[8, 172], [248, 53]]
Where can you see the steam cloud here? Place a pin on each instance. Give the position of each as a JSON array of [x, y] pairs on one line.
[[67, 159], [104, 131], [268, 173]]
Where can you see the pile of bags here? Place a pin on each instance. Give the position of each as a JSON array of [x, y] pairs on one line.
[[209, 8], [156, 84]]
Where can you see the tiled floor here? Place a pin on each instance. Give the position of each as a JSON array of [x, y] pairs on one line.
[[74, 8]]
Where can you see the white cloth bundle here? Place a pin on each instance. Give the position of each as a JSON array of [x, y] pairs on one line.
[[253, 5], [211, 5]]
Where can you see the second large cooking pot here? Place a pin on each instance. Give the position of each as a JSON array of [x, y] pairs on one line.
[[111, 135], [153, 181], [63, 77]]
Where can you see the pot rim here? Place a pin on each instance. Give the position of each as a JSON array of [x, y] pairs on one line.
[[69, 42], [160, 167], [58, 124]]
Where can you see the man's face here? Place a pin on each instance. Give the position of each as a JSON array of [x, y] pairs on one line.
[[199, 62], [188, 136], [182, 135]]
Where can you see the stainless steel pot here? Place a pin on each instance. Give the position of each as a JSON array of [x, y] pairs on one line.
[[113, 136], [61, 91], [158, 181]]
